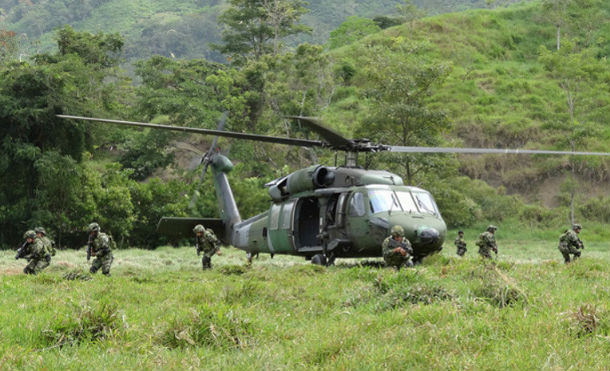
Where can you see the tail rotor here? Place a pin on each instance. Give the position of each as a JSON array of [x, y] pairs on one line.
[[207, 158]]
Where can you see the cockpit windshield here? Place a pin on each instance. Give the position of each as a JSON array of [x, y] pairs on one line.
[[382, 200], [407, 202], [425, 203], [412, 202]]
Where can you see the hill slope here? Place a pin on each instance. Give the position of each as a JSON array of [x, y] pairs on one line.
[[502, 93], [179, 28]]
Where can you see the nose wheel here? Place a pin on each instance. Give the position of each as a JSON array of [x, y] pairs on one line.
[[321, 259]]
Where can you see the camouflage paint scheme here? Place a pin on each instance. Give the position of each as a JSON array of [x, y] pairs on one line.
[[349, 216]]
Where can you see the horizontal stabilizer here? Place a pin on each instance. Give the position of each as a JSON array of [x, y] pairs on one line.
[[183, 227]]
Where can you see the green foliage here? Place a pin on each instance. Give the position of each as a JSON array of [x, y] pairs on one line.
[[210, 326], [254, 28], [84, 324], [100, 50], [353, 29]]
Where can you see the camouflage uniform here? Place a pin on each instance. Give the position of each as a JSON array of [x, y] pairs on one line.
[[99, 245], [569, 243], [460, 244], [49, 244], [206, 242], [37, 255], [391, 256], [487, 242]]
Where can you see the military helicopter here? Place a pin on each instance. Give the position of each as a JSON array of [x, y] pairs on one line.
[[323, 212]]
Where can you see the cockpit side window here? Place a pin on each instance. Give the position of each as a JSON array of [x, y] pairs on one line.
[[356, 205], [425, 203]]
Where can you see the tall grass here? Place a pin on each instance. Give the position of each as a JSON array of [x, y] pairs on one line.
[[160, 311]]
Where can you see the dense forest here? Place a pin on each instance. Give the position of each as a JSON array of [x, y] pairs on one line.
[[495, 78], [184, 29]]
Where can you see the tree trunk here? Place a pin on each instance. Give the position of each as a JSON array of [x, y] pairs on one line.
[[558, 37]]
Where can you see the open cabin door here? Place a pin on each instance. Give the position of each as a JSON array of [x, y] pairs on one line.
[[307, 225]]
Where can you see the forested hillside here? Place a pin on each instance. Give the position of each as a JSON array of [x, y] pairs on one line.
[[182, 29], [493, 78]]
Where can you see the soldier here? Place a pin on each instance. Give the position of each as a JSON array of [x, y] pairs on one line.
[[207, 242], [487, 242], [49, 244], [460, 244], [397, 249], [570, 243], [34, 251], [99, 245]]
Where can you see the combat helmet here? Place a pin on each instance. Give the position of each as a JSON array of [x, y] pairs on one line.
[[199, 228], [40, 230], [397, 231], [492, 228], [29, 234], [576, 226], [93, 227]]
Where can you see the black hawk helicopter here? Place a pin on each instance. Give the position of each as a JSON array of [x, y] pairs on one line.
[[322, 212]]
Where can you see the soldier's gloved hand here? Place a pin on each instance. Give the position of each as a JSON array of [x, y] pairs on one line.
[[400, 251], [218, 252]]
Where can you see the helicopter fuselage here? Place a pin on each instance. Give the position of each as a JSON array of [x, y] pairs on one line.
[[345, 222]]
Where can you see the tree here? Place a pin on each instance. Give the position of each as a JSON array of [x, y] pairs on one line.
[[398, 92], [34, 140], [555, 10], [254, 28], [409, 12]]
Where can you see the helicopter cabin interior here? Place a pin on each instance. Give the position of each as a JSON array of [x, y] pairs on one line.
[[306, 217]]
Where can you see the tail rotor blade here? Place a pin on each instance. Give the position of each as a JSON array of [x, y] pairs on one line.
[[207, 158]]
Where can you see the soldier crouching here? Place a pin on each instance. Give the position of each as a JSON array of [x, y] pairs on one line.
[[35, 252], [99, 245], [397, 249]]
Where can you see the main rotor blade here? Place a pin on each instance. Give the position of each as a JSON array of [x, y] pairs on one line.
[[333, 138], [229, 134], [405, 149]]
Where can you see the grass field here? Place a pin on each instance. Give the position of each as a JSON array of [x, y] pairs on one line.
[[159, 311]]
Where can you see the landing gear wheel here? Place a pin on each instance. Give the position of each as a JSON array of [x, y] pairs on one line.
[[318, 259]]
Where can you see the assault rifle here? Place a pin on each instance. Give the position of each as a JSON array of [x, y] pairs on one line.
[[579, 244], [21, 252], [90, 248], [394, 244]]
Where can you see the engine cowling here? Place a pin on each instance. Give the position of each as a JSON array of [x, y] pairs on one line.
[[311, 178]]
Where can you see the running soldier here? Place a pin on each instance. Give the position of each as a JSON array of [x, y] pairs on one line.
[[487, 242], [460, 244], [570, 243], [35, 253]]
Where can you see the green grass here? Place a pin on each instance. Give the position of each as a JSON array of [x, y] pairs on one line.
[[160, 311]]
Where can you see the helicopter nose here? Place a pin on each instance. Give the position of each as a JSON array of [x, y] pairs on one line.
[[428, 236]]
